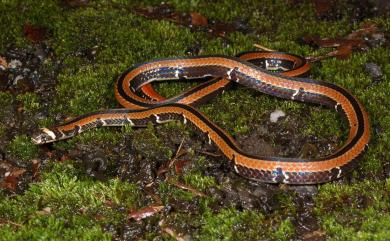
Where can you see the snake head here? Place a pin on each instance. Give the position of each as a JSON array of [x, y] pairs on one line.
[[43, 136]]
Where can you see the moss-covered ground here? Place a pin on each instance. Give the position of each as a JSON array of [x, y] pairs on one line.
[[87, 187]]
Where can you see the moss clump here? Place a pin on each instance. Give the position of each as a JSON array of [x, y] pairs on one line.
[[45, 13], [66, 205], [6, 99], [21, 147], [199, 181], [355, 212], [3, 129], [87, 90], [29, 101], [53, 228], [195, 180], [167, 191], [229, 224], [324, 121]]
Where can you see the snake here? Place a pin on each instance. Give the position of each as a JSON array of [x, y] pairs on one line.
[[283, 77]]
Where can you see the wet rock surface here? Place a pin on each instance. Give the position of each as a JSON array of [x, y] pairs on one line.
[[28, 73]]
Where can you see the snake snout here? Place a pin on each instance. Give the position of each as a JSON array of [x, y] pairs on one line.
[[43, 136]]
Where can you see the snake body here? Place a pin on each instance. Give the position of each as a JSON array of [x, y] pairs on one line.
[[142, 105]]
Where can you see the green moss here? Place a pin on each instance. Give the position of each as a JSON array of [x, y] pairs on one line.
[[21, 147], [64, 187], [15, 14], [79, 206], [29, 101], [195, 180], [285, 201], [167, 191], [326, 122], [147, 38], [6, 98], [355, 212], [229, 224], [45, 122], [54, 228], [3, 129], [285, 230], [87, 90], [199, 181]]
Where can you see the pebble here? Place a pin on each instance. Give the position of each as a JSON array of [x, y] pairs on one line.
[[275, 115], [14, 64]]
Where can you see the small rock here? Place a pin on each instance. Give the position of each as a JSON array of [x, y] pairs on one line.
[[14, 64], [17, 78], [275, 115], [374, 71]]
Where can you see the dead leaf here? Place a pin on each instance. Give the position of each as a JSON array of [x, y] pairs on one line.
[[221, 29], [11, 179], [367, 29], [34, 33], [36, 164], [167, 165], [323, 6], [76, 3], [179, 165], [145, 212], [3, 63], [198, 20], [18, 172], [162, 11], [189, 19], [9, 183], [343, 51], [356, 40]]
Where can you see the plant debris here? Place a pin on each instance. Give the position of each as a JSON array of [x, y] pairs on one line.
[[34, 33], [186, 187], [145, 212], [3, 63], [11, 175], [167, 165], [170, 231], [193, 20], [75, 3], [332, 10], [361, 39]]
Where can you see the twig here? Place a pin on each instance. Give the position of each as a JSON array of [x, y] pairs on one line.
[[10, 222], [263, 48], [186, 187], [210, 153], [179, 153]]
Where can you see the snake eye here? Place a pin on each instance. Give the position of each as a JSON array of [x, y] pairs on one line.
[[43, 136]]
